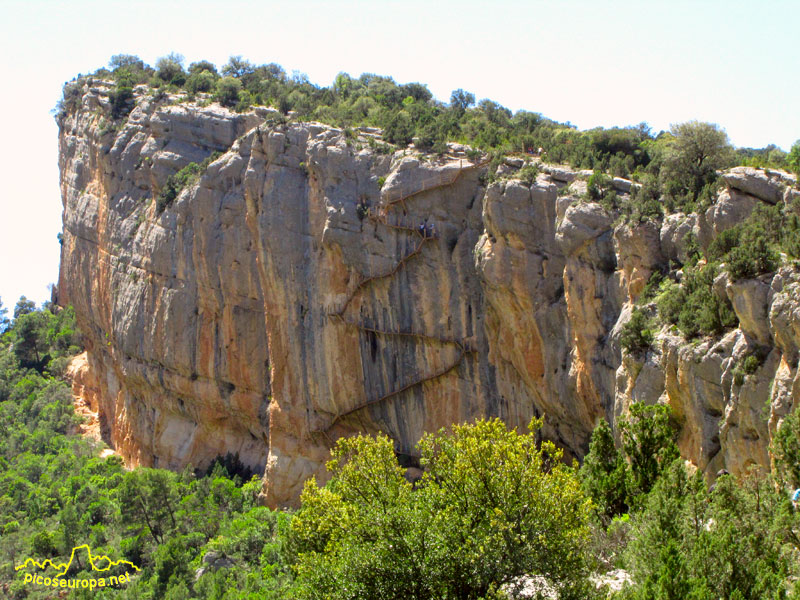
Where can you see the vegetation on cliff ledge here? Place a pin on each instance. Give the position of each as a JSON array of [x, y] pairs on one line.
[[681, 163]]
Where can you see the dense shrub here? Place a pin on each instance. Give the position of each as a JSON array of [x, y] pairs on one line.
[[187, 176], [677, 168], [470, 525], [770, 156], [749, 365], [121, 101], [689, 543], [723, 243], [399, 129], [645, 201], [128, 70], [605, 475], [56, 493], [169, 69], [786, 450], [693, 305], [598, 186], [528, 174], [203, 65], [636, 335], [751, 248], [753, 257], [793, 158], [648, 440], [492, 505], [202, 81], [693, 154], [227, 91]]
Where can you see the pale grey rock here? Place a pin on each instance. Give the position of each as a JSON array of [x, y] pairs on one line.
[[562, 204], [731, 208], [674, 229], [749, 298], [559, 173], [764, 184], [582, 222], [622, 185]]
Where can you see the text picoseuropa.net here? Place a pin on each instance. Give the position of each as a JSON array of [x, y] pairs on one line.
[[76, 583]]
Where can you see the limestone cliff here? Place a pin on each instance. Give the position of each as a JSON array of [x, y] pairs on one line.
[[288, 296]]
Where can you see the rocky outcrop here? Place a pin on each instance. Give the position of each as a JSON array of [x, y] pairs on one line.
[[304, 287], [766, 185]]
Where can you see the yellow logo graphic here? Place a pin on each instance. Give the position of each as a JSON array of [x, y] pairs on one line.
[[100, 563]]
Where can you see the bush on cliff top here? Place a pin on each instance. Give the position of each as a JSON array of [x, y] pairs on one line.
[[678, 168], [406, 110], [683, 160]]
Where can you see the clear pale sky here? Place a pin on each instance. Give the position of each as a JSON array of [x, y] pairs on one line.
[[588, 62]]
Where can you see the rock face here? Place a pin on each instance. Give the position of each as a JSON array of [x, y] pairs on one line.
[[303, 288]]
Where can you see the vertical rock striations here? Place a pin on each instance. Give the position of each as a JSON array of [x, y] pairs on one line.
[[303, 287]]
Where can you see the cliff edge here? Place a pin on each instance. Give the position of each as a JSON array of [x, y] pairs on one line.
[[301, 284]]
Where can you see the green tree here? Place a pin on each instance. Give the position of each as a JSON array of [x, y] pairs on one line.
[[786, 450], [752, 257], [604, 474], [148, 500], [693, 305], [460, 101], [598, 186], [129, 70], [636, 336], [228, 90], [43, 545], [697, 150], [201, 81], [689, 543], [648, 440], [121, 101], [30, 342], [399, 129], [125, 61], [23, 307], [346, 86], [793, 158], [203, 65], [238, 67], [3, 319], [169, 69], [492, 505]]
